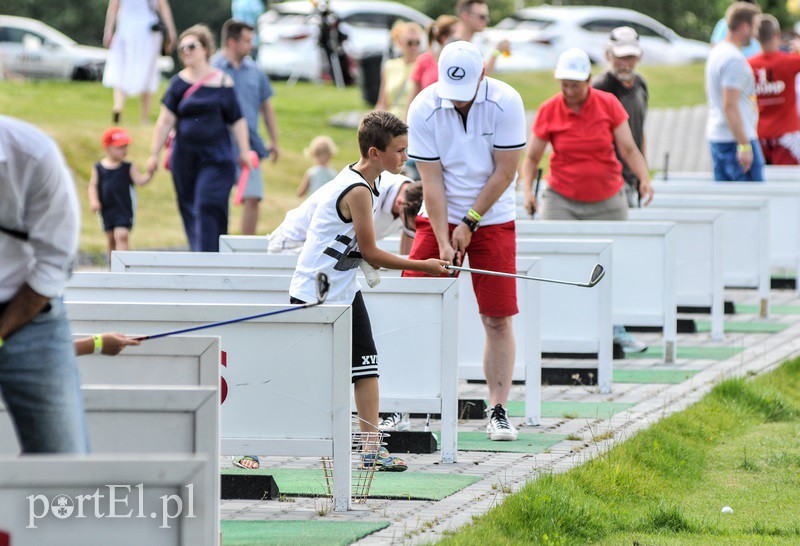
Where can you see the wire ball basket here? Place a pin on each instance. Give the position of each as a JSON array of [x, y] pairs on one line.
[[364, 448]]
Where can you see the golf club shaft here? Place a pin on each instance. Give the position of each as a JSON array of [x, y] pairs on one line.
[[513, 276], [225, 322]]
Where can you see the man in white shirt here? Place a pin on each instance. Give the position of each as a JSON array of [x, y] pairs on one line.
[[39, 227], [732, 123], [467, 133]]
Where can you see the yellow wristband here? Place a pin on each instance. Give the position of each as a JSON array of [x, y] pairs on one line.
[[496, 53], [744, 148], [2, 342], [474, 215], [98, 343]]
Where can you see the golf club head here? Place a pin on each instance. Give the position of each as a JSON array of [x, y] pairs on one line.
[[322, 287], [597, 274]]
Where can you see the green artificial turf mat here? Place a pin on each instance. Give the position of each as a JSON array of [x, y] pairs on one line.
[[592, 410], [744, 327], [652, 376], [310, 482], [296, 533], [526, 442], [686, 352], [749, 309]]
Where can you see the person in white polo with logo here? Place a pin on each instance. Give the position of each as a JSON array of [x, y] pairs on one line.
[[467, 133]]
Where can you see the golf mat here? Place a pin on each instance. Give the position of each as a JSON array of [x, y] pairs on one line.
[[572, 410], [652, 376], [684, 351], [739, 327], [310, 482], [296, 533], [748, 309], [526, 442]]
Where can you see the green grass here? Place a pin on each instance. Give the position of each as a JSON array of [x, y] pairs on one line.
[[739, 447], [76, 113]]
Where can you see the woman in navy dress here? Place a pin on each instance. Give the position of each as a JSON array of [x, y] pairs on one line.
[[203, 160]]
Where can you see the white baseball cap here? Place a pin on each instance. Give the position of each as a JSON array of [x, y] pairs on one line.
[[624, 42], [460, 70], [573, 64]]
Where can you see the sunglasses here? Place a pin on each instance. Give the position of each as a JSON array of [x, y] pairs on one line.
[[411, 43], [481, 16], [189, 47]]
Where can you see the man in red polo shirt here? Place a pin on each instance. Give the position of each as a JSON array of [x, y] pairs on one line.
[[775, 72]]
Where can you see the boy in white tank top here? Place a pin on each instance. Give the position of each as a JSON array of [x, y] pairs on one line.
[[341, 234]]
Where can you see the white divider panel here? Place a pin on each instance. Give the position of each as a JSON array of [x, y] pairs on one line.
[[152, 486], [294, 364], [643, 265], [527, 328], [210, 262], [698, 257], [745, 235], [401, 310], [133, 419], [772, 173], [784, 212], [175, 360], [243, 243]]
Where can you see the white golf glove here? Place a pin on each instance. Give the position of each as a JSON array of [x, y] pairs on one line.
[[372, 275]]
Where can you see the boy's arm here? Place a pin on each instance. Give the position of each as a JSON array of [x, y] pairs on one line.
[[94, 195], [140, 179], [357, 204]]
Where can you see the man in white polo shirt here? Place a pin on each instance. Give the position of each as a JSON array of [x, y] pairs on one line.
[[467, 133]]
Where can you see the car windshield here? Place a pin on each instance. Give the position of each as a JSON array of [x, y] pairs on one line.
[[519, 23]]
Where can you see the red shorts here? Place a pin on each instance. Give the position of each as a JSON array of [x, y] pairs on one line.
[[775, 153], [492, 247]]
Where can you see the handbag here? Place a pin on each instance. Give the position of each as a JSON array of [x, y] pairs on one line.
[[159, 26], [170, 143]]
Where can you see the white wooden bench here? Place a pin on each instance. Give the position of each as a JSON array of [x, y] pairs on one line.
[[99, 499], [294, 364], [772, 173]]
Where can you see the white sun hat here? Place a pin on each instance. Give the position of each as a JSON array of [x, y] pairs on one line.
[[573, 64]]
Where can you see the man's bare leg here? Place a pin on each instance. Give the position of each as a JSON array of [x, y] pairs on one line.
[[498, 357], [250, 217]]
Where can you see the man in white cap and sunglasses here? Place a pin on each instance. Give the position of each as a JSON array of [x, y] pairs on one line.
[[467, 133], [621, 80]]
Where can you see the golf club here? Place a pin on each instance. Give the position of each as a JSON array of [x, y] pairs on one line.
[[532, 210], [597, 273], [322, 292]]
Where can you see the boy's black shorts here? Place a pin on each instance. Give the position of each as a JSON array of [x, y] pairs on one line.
[[365, 355]]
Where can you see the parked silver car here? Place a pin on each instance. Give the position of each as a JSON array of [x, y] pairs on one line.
[[33, 49], [289, 33], [588, 27]]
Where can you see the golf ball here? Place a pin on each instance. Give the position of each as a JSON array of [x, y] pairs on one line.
[[727, 510]]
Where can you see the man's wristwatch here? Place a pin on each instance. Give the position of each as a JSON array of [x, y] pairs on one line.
[[471, 224]]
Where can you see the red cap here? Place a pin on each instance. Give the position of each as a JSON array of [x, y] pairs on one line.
[[115, 136]]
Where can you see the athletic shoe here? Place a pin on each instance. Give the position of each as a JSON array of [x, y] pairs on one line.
[[628, 343], [395, 421], [389, 463], [499, 429]]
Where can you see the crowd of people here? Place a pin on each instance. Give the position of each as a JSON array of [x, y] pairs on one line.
[[209, 120]]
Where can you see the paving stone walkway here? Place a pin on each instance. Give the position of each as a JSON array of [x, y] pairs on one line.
[[418, 522]]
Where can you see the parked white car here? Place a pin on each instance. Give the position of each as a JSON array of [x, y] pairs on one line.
[[30, 48], [288, 34], [588, 27]]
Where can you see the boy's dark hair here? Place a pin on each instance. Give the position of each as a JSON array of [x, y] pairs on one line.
[[377, 129], [413, 200], [466, 5], [769, 28], [232, 30]]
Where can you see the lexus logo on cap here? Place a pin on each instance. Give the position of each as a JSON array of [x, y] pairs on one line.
[[456, 73]]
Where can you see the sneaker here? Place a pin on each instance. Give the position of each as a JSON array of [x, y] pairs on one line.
[[628, 343], [395, 421], [499, 429], [389, 463]]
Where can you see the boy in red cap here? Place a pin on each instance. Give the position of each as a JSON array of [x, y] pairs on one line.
[[111, 190]]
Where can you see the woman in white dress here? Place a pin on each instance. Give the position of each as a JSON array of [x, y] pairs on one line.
[[135, 42]]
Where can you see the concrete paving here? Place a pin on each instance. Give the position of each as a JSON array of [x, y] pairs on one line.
[[419, 522]]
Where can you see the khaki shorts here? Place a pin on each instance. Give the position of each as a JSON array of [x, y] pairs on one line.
[[557, 207]]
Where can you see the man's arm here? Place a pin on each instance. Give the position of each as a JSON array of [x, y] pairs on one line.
[[623, 139], [505, 168], [436, 206], [730, 108], [268, 114]]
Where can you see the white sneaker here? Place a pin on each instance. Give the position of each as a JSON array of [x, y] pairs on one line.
[[395, 421], [629, 343], [499, 428]]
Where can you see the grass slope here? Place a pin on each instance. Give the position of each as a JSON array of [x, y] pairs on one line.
[[76, 113], [739, 447]]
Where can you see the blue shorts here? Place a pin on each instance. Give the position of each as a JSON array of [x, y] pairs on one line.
[[726, 166], [255, 186]]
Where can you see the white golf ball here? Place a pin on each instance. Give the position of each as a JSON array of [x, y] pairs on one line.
[[727, 510]]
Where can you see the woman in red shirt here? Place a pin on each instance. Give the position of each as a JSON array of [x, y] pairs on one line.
[[583, 125]]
